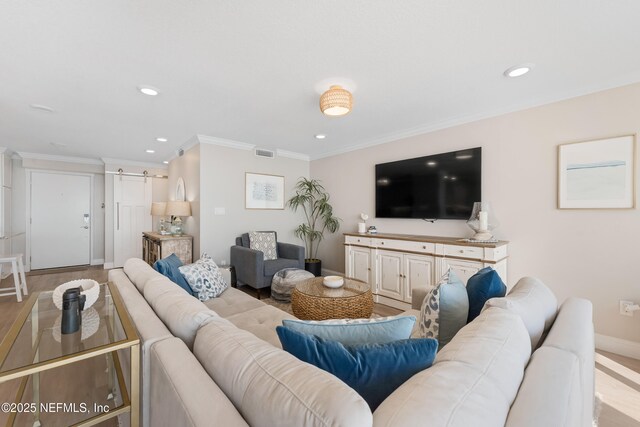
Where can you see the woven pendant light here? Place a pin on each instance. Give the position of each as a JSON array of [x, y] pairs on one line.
[[336, 101]]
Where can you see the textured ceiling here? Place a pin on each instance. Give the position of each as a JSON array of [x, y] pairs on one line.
[[252, 71]]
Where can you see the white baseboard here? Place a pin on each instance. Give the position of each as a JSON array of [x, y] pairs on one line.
[[618, 346], [108, 265], [97, 261], [327, 272]]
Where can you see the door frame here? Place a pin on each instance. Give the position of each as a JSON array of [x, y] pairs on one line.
[[27, 261]]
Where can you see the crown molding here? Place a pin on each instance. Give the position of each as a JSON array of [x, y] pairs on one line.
[[57, 158], [205, 139], [292, 155], [448, 123], [123, 162]]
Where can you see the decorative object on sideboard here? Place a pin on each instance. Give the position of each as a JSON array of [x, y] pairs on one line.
[[598, 174], [159, 209], [177, 209], [362, 226], [336, 101], [333, 281], [90, 288], [313, 199], [482, 222], [372, 230], [263, 191]]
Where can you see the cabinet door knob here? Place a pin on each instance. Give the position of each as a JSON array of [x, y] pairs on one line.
[[382, 243], [424, 247], [461, 251]]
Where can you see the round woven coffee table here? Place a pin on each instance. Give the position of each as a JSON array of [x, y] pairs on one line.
[[311, 300]]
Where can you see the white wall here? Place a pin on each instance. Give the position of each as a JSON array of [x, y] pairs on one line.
[[222, 184], [586, 253]]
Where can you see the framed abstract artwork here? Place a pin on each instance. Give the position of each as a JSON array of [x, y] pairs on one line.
[[598, 174], [264, 191]]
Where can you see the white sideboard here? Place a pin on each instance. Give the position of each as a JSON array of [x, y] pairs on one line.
[[393, 264]]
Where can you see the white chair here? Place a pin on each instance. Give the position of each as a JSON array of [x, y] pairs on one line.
[[19, 279]]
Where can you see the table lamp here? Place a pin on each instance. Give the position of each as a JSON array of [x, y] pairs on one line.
[[159, 209], [177, 209]]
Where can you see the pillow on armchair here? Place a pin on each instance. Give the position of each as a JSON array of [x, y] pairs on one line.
[[264, 242]]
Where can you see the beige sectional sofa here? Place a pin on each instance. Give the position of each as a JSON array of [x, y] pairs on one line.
[[220, 363]]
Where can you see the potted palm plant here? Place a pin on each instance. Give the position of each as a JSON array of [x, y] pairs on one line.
[[313, 199]]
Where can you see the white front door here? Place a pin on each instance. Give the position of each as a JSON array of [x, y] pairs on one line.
[[60, 220], [132, 216]]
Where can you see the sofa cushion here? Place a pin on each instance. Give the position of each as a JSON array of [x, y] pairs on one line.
[[204, 278], [373, 370], [534, 303], [182, 393], [261, 322], [169, 267], [573, 332], [265, 242], [270, 387], [481, 287], [473, 381], [233, 301], [182, 313], [273, 266], [444, 309], [356, 331], [550, 394], [139, 272]]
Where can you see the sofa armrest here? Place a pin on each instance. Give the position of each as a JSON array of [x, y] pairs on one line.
[[291, 251], [417, 296], [249, 265]]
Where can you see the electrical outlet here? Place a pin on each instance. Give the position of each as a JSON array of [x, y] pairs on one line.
[[623, 308]]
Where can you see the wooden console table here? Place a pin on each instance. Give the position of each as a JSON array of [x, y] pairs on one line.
[[393, 264], [156, 246]]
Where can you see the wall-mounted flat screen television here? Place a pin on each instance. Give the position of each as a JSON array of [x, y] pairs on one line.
[[441, 186]]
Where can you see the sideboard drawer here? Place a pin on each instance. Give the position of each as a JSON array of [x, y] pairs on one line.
[[404, 245], [357, 240], [464, 251]]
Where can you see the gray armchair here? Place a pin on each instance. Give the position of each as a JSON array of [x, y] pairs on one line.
[[254, 271]]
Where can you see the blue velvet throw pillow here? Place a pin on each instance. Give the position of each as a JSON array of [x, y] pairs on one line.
[[374, 371], [481, 287], [357, 331], [169, 267]]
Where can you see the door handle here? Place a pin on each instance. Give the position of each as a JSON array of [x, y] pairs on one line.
[[85, 227], [118, 215]]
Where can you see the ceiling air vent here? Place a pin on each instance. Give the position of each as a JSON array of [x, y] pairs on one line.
[[180, 152], [265, 153]]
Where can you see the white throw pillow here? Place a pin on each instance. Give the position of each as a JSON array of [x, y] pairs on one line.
[[265, 243], [204, 278]]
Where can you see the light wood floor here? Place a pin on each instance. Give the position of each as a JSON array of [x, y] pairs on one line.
[[617, 377]]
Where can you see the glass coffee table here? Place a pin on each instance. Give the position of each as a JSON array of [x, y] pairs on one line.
[[73, 379], [311, 300]]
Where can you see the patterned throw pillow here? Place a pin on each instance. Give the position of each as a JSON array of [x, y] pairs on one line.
[[444, 309], [204, 278], [265, 243]]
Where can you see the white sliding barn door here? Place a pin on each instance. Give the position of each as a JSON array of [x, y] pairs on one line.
[[131, 216], [60, 229]]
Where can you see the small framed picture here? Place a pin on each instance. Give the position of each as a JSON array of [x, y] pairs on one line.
[[264, 191], [598, 174]]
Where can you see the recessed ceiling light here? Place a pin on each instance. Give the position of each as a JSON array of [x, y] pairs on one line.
[[166, 162], [148, 90], [151, 151], [431, 163], [161, 139], [320, 136], [42, 108], [518, 70]]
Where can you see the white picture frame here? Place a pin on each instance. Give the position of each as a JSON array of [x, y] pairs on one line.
[[263, 191], [597, 174]]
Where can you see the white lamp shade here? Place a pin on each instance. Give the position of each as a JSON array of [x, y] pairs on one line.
[[178, 208], [158, 208]]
